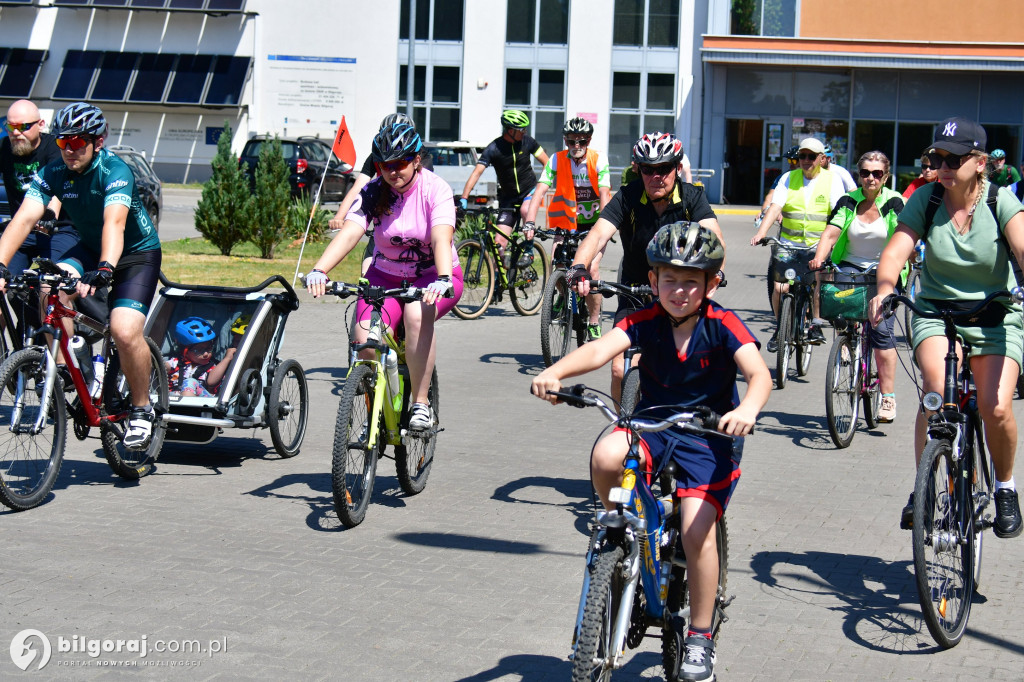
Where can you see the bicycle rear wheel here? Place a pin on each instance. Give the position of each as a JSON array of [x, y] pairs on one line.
[[943, 544], [556, 319], [29, 462], [527, 288], [785, 340], [803, 349], [415, 455], [913, 285], [353, 461], [133, 464], [594, 648], [842, 391], [982, 477], [477, 282]]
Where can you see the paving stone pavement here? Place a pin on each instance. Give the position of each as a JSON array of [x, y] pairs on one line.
[[477, 578]]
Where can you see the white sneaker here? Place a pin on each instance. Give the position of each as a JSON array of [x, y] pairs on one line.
[[421, 417], [139, 428], [887, 410], [698, 660]]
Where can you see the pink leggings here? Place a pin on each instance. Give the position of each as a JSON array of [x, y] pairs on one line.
[[392, 310]]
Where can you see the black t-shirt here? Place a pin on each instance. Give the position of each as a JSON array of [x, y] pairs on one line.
[[17, 171], [513, 165], [632, 213]]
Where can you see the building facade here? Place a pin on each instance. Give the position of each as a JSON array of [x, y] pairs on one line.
[[738, 81]]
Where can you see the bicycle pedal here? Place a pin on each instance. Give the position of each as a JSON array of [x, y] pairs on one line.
[[984, 523]]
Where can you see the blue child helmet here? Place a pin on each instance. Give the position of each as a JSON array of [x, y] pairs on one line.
[[193, 330]]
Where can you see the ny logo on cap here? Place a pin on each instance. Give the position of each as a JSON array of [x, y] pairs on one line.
[[949, 130]]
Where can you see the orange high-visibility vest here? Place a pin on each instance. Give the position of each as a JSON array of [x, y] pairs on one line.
[[562, 210]]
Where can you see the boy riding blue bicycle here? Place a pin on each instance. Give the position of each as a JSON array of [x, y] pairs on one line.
[[691, 349]]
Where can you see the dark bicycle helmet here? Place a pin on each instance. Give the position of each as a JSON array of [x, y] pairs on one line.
[[793, 153], [828, 151], [398, 141], [193, 330], [686, 245], [240, 324], [392, 119], [78, 119], [578, 126], [658, 148], [514, 119]]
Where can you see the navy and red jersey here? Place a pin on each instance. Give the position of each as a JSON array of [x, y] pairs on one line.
[[704, 375]]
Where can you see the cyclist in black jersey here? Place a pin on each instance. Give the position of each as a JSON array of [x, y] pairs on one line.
[[119, 245], [511, 155]]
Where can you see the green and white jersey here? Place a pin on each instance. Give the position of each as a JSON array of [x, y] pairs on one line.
[[84, 196]]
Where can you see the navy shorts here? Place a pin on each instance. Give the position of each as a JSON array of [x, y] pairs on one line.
[[706, 468]]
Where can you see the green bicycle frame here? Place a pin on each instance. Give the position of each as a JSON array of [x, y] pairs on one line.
[[389, 406]]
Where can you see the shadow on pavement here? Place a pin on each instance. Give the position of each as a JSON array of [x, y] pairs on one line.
[[529, 364], [579, 499], [534, 667], [476, 543]]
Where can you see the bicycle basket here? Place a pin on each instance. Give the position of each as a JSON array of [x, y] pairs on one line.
[[785, 258], [846, 295]]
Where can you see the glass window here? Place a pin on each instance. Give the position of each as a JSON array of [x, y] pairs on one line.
[[115, 72], [869, 136], [76, 75], [874, 93], [912, 139], [229, 75], [447, 19], [745, 18], [517, 87], [550, 88], [663, 23], [1003, 137], [778, 18], [654, 123], [628, 23], [547, 129], [623, 132], [110, 3], [186, 4], [147, 3], [419, 83], [446, 84], [444, 124], [70, 2], [151, 80], [625, 90], [422, 20], [1002, 98], [554, 22], [226, 5], [20, 74], [822, 94], [661, 91], [190, 78], [314, 151], [758, 93], [520, 21], [932, 96]]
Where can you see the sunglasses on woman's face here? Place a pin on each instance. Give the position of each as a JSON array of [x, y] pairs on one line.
[[397, 165], [73, 143], [876, 174], [952, 161]]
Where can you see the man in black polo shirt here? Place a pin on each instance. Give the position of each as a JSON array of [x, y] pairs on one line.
[[636, 212]]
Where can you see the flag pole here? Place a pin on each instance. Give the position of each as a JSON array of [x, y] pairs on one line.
[[309, 223]]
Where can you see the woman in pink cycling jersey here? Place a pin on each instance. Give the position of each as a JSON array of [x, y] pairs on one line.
[[412, 212]]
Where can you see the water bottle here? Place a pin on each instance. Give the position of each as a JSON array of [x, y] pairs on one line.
[[98, 369], [391, 369], [80, 357]]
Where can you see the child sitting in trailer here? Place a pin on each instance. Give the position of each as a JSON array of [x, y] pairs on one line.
[[194, 372]]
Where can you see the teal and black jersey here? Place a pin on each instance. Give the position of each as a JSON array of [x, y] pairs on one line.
[[84, 196]]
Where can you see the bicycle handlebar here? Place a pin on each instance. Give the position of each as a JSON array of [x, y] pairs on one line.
[[700, 419], [608, 289], [890, 301], [371, 294]]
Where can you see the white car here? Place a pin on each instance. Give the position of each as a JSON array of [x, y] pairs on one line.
[[455, 161]]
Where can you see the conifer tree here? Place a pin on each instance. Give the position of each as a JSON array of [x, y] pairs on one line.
[[273, 192], [226, 207]]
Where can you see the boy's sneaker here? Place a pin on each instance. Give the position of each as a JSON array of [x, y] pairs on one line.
[[593, 332], [907, 515], [773, 343], [139, 430], [887, 411], [698, 663], [65, 378], [1008, 522], [815, 335], [421, 417]]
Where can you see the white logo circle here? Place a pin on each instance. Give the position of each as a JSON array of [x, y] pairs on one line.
[[23, 653]]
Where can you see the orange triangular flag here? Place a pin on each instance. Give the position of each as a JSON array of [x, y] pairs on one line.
[[343, 147]]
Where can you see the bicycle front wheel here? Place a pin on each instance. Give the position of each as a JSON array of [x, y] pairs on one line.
[[872, 395], [527, 287], [477, 279], [556, 319], [803, 348], [913, 286], [842, 391], [29, 462], [785, 340], [353, 461], [133, 464], [415, 455], [592, 659], [943, 544]]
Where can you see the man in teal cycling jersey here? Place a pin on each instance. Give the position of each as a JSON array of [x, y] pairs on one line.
[[119, 246]]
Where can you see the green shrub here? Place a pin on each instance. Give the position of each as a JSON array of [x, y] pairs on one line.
[[273, 193], [226, 208], [298, 218]]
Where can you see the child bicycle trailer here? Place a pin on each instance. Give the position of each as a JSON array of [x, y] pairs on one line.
[[257, 388]]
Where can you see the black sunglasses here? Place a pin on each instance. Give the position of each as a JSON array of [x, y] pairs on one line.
[[807, 156], [876, 174], [662, 169], [952, 161], [927, 166]]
